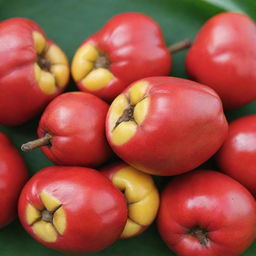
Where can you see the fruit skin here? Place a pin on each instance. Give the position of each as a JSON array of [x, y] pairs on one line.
[[19, 90], [214, 202], [184, 126], [13, 175], [223, 57], [95, 210], [237, 156], [141, 195], [134, 45], [76, 120]]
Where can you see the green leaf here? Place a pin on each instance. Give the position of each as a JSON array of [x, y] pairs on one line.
[[69, 23]]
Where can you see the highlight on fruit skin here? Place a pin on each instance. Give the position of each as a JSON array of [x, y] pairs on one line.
[[141, 195], [34, 70]]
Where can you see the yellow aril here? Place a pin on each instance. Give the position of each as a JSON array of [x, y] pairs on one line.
[[39, 42], [97, 79], [123, 132]]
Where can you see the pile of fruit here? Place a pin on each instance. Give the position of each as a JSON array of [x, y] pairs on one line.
[[130, 120]]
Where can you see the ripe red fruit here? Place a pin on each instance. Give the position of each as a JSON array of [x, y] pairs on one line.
[[166, 125], [207, 213], [223, 57], [237, 156], [72, 209], [72, 130], [33, 70], [13, 175], [141, 195], [129, 47]]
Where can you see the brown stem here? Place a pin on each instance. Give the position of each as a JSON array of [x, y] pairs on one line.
[[45, 140], [179, 46]]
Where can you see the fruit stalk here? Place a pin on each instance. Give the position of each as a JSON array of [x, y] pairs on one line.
[[43, 141], [182, 45]]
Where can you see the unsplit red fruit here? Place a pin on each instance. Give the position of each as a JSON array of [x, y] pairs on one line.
[[166, 125], [206, 213], [237, 156], [72, 131], [33, 70], [141, 195], [223, 57], [129, 47], [13, 175], [72, 209]]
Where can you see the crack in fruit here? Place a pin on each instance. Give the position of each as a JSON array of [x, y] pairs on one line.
[[49, 222], [51, 65], [128, 111], [43, 63], [102, 62], [90, 67], [200, 234], [126, 116], [48, 215]]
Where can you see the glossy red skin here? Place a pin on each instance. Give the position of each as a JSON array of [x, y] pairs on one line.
[[184, 127], [76, 120], [109, 171], [95, 210], [134, 45], [237, 156], [13, 175], [223, 57], [19, 91], [213, 201]]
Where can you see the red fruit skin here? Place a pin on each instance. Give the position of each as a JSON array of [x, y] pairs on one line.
[[19, 91], [213, 201], [237, 156], [134, 45], [76, 120], [223, 57], [95, 210], [184, 127], [13, 175]]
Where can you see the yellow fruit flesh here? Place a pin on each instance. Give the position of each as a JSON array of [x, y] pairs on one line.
[[47, 223], [51, 67]]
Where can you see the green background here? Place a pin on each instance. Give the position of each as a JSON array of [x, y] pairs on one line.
[[69, 22]]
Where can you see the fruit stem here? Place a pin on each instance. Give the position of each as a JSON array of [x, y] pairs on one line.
[[45, 140], [182, 45]]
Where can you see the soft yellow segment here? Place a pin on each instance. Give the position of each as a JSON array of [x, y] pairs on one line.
[[131, 228], [32, 214], [81, 68], [39, 42], [47, 82], [141, 110], [137, 92], [123, 132], [116, 109], [135, 184], [144, 211], [97, 79], [50, 202], [61, 74], [59, 220], [45, 231], [82, 62], [56, 56]]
